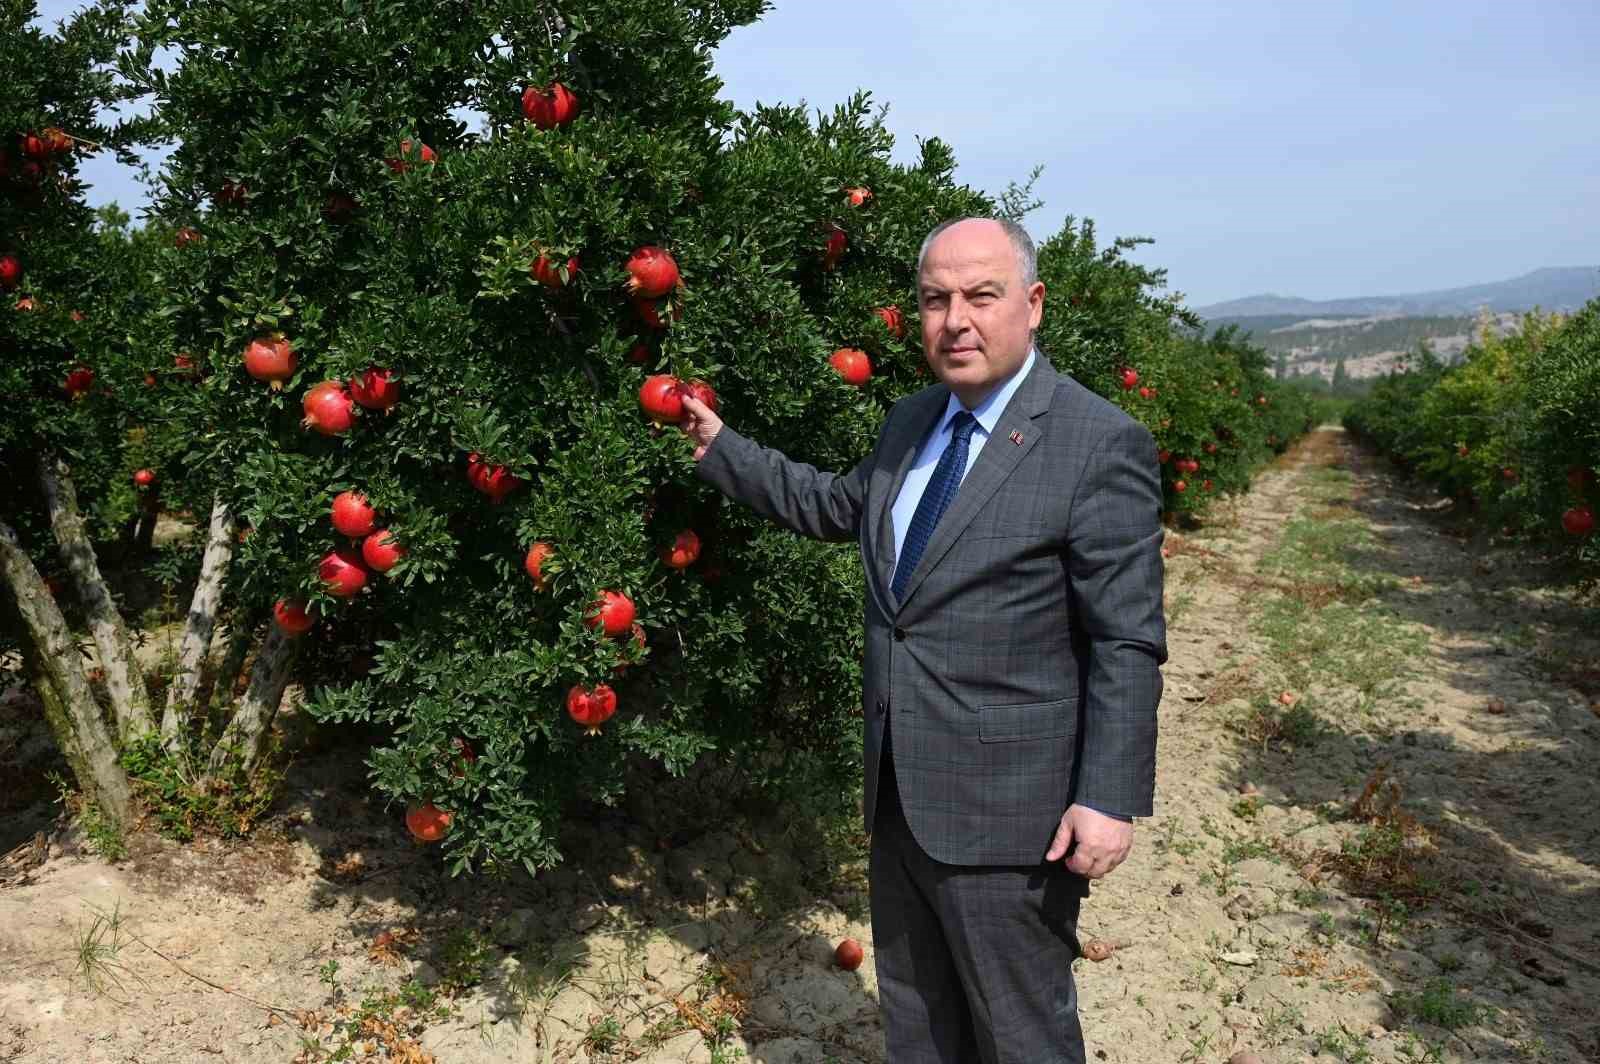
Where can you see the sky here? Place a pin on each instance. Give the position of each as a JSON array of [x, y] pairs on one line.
[[1320, 150]]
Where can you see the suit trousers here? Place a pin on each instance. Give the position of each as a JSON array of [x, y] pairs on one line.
[[974, 963]]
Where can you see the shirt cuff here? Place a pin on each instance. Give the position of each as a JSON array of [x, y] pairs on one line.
[[1107, 812]]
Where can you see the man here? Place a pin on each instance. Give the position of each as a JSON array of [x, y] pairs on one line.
[[1008, 520]]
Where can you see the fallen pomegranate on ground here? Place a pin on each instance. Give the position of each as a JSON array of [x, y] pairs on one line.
[[849, 955]]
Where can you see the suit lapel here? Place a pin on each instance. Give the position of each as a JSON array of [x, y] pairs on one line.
[[1001, 455]]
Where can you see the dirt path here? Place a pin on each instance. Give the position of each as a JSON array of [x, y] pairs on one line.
[[1452, 914]]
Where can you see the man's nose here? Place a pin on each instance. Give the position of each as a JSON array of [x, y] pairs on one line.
[[956, 315]]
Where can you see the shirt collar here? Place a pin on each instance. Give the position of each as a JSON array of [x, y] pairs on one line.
[[988, 412]]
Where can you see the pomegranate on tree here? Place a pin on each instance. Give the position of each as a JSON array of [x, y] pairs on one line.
[[835, 248], [701, 391], [381, 551], [652, 272], [497, 482], [185, 237], [376, 388], [549, 273], [233, 194], [1578, 521], [857, 196], [10, 272], [427, 822], [342, 572], [328, 409], [1180, 486], [353, 515], [291, 616], [892, 320], [650, 311], [661, 398], [852, 364], [1130, 378], [269, 358], [612, 612], [684, 550], [591, 706], [534, 562], [402, 164], [144, 477], [79, 381], [549, 107]]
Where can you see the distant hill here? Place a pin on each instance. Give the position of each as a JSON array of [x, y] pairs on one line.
[[1552, 288]]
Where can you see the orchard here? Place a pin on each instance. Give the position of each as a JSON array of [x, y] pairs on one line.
[[413, 388]]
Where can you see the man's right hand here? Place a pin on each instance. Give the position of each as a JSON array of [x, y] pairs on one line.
[[700, 423]]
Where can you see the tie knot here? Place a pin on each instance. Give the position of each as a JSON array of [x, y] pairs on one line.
[[963, 424]]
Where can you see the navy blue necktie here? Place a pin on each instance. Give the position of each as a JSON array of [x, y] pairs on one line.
[[936, 499]]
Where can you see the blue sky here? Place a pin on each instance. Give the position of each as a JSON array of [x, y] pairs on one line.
[[1319, 150]]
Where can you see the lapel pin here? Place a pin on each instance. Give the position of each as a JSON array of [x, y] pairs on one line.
[[1016, 437]]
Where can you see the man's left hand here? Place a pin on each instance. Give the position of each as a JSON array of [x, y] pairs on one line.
[[1103, 841]]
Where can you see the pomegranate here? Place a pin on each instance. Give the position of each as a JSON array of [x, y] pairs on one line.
[[834, 251], [549, 273], [10, 272], [233, 194], [56, 141], [702, 392], [1507, 473], [34, 147], [1578, 521], [1163, 455], [78, 382], [1180, 486], [185, 237], [857, 196], [661, 397], [684, 550], [549, 107], [465, 755], [1206, 485], [852, 364], [538, 554], [591, 706], [353, 515], [268, 358], [328, 409], [381, 551], [427, 822], [497, 482], [339, 207], [1145, 393], [1209, 447], [612, 612], [1130, 379], [342, 572], [650, 311], [376, 388], [144, 477], [291, 616], [892, 320], [639, 354], [652, 272], [1463, 450], [402, 164], [848, 955]]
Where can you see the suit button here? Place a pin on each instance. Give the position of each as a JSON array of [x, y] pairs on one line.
[[880, 707], [899, 634]]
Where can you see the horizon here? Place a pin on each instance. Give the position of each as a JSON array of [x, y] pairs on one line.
[[1434, 126]]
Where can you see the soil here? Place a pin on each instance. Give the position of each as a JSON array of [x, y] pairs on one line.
[[1373, 842]]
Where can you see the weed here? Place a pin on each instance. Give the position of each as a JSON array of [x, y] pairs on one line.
[[1437, 1003], [604, 1034], [1169, 842], [465, 958], [95, 957], [1341, 1044], [105, 837], [187, 802]]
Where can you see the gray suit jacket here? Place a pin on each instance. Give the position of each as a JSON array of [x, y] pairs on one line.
[[1022, 666]]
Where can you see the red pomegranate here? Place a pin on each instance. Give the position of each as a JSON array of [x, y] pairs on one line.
[[661, 397], [403, 163], [144, 477], [10, 272], [649, 311], [342, 572], [1130, 379], [381, 551], [328, 409], [427, 822], [291, 616], [497, 482], [652, 272], [1163, 455], [892, 320], [353, 515], [1145, 393], [612, 612], [1180, 486], [78, 382], [34, 147], [703, 392], [837, 243], [56, 140], [233, 194], [857, 196], [1578, 521], [591, 706], [185, 237], [549, 107], [376, 388], [684, 550], [1206, 485], [848, 955], [548, 273], [269, 358], [538, 554], [852, 364]]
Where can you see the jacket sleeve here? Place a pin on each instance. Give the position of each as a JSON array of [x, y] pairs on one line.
[[799, 497], [1114, 563]]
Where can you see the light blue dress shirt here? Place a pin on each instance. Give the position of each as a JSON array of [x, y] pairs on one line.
[[987, 414]]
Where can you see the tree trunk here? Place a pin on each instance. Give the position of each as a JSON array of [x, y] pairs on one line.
[[245, 737], [130, 699], [55, 669], [200, 628]]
